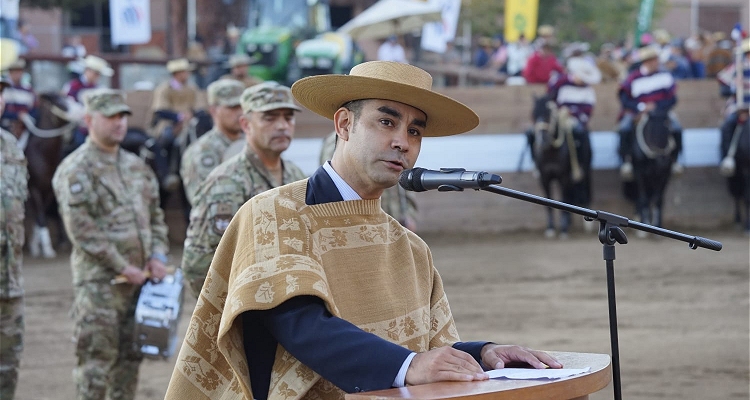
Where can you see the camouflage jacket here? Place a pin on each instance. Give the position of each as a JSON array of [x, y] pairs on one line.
[[200, 158], [13, 192], [110, 207], [225, 189], [395, 201]]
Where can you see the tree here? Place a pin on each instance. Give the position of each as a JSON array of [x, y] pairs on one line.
[[592, 21]]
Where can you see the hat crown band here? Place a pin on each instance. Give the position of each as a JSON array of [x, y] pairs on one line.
[[404, 74]]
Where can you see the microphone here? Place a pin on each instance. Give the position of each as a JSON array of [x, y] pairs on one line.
[[445, 180]]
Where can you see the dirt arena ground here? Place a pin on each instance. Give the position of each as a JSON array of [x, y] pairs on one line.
[[683, 314]]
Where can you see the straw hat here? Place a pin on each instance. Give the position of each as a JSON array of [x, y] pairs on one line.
[[239, 59], [98, 64], [745, 46], [8, 52], [647, 53], [180, 64], [545, 30], [662, 36], [18, 64], [386, 80], [585, 70]]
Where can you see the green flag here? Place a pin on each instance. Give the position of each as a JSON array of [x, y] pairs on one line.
[[643, 23]]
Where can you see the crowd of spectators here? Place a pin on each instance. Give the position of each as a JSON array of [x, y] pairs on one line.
[[522, 61]]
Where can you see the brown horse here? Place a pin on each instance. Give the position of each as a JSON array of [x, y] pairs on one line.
[[48, 133]]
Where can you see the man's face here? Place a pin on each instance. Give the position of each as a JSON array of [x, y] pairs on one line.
[[269, 132], [15, 75], [181, 76], [227, 119], [652, 64], [92, 76], [382, 142], [239, 71], [107, 132]]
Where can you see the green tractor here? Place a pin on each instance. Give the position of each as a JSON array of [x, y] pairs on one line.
[[291, 39]]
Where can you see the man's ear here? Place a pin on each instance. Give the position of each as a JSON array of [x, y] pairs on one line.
[[245, 123], [343, 120]]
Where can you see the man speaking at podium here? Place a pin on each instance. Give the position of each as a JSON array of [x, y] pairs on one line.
[[314, 291]]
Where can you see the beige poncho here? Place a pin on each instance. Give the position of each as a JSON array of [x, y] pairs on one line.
[[367, 268]]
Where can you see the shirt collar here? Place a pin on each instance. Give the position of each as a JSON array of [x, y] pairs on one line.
[[347, 193], [175, 84]]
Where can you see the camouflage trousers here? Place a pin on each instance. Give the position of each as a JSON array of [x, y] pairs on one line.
[[104, 318], [11, 344]]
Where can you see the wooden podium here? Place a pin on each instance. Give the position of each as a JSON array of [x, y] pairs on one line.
[[576, 387]]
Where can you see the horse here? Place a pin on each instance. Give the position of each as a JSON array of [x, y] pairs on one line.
[[164, 156], [558, 159], [56, 118], [654, 151], [735, 166]]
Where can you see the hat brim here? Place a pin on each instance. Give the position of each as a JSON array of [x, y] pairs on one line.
[[276, 106], [119, 109], [189, 68], [324, 94], [229, 103]]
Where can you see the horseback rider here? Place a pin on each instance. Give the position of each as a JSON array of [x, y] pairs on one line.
[[94, 68], [573, 92], [737, 108], [238, 65], [648, 88], [19, 99], [172, 107]]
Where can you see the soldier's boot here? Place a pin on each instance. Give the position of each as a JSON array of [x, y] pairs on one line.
[[46, 243]]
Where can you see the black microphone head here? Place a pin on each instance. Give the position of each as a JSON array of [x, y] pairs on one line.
[[411, 179]]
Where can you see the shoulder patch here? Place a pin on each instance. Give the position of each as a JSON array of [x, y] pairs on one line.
[[76, 187], [208, 161], [221, 218]]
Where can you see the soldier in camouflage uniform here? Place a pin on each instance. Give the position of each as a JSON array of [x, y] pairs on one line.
[[206, 153], [13, 193], [268, 122], [109, 201], [238, 65], [396, 201]]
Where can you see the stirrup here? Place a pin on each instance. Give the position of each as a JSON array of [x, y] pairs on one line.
[[677, 168], [626, 171]]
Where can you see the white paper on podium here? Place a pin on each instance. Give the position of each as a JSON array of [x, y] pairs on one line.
[[526, 373]]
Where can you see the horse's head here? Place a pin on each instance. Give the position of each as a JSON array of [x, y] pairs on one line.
[[541, 111], [56, 110], [654, 128]]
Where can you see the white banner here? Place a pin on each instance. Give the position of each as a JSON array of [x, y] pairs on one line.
[[435, 35], [130, 21]]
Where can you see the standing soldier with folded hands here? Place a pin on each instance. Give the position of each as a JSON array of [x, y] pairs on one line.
[[109, 201]]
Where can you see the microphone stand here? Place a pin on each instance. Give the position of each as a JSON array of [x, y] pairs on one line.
[[610, 232]]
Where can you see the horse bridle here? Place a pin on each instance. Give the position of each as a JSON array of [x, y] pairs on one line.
[[30, 124], [641, 140]]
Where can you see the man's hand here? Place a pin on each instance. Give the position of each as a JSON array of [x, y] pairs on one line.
[[157, 268], [496, 356], [443, 364], [134, 275]]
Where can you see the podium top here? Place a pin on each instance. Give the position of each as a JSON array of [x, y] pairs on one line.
[[500, 389]]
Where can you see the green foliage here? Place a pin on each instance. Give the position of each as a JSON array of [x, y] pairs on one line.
[[575, 20], [486, 16]]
